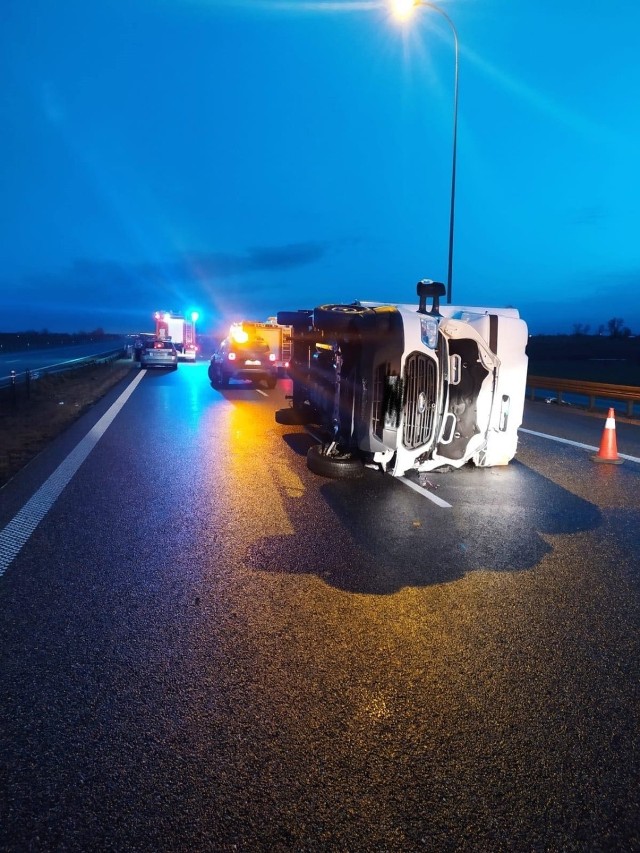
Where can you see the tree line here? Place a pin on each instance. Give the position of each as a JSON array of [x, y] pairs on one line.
[[18, 341], [615, 328]]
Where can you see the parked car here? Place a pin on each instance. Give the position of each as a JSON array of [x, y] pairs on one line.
[[240, 356], [407, 387], [188, 352], [158, 353], [140, 341]]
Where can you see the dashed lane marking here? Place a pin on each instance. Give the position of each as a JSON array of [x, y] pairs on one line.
[[412, 485], [22, 525], [574, 443], [425, 493]]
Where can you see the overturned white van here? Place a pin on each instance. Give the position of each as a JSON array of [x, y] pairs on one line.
[[407, 387]]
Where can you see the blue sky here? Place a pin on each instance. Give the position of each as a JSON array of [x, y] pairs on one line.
[[246, 156]]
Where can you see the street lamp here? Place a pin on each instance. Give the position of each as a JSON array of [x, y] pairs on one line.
[[402, 10]]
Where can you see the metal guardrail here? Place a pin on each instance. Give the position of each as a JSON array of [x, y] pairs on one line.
[[24, 377], [590, 391]]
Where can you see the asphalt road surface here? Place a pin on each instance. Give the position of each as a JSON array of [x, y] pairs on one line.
[[204, 646]]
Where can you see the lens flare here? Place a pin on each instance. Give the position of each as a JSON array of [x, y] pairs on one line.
[[402, 9], [238, 334]]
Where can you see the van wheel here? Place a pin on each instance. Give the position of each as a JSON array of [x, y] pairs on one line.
[[271, 382], [338, 466], [338, 318]]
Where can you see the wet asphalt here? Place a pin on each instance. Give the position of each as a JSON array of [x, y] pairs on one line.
[[204, 646]]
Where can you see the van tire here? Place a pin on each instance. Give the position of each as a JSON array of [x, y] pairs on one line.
[[338, 318], [339, 467]]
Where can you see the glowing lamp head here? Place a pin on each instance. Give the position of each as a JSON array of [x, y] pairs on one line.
[[403, 9]]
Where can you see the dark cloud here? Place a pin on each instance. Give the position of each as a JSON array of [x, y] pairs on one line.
[[216, 265], [94, 292], [286, 257], [201, 266]]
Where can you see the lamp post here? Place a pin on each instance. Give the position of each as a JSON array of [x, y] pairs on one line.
[[402, 10]]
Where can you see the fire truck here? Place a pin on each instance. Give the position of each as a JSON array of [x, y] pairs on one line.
[[277, 336], [180, 331], [408, 387]]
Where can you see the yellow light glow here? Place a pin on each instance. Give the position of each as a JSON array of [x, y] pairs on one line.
[[261, 506], [238, 334], [402, 9]]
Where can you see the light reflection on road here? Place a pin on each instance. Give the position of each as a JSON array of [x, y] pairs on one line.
[[259, 479]]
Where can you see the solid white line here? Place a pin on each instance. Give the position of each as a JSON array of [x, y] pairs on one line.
[[574, 443], [417, 488], [260, 391], [22, 525]]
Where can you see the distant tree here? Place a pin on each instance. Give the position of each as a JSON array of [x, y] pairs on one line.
[[615, 326], [581, 329], [601, 329]]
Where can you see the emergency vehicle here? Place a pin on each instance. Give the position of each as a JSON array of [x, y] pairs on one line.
[[277, 336], [180, 331], [243, 355]]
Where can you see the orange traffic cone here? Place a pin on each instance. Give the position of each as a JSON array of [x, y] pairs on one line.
[[608, 449]]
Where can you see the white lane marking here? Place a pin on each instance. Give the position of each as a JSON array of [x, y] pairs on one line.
[[22, 525], [574, 443], [260, 391], [417, 488]]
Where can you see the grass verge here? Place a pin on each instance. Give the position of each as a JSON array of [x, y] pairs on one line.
[[29, 423]]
